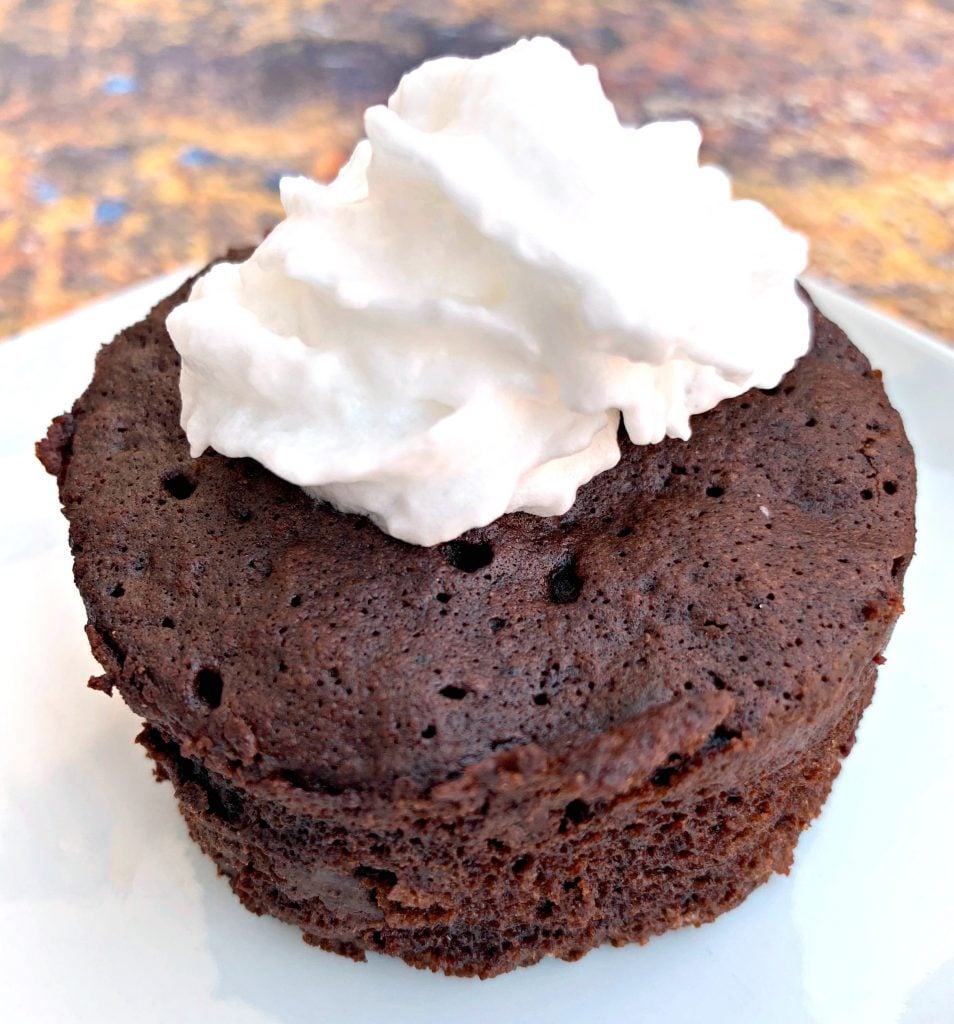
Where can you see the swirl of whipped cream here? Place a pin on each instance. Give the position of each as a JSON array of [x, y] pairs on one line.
[[450, 329]]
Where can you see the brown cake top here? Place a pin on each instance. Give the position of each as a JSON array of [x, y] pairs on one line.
[[734, 580]]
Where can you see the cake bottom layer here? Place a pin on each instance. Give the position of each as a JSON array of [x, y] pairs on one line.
[[451, 896]]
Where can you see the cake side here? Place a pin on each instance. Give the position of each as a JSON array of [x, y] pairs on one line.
[[480, 890]]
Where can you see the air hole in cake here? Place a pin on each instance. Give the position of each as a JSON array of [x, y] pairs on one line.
[[624, 532], [380, 876], [577, 811], [496, 624], [771, 391], [677, 470], [429, 733], [310, 781], [208, 687], [117, 591], [897, 565], [663, 777], [541, 700], [117, 652], [715, 491], [867, 495], [168, 623], [452, 692], [295, 601], [468, 556], [811, 422], [717, 681], [179, 485], [226, 805], [565, 583], [521, 864], [721, 737], [443, 598], [890, 487]]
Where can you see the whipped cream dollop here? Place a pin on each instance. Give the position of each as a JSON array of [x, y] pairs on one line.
[[450, 329]]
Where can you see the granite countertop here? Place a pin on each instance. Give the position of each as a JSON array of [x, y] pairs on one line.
[[136, 138]]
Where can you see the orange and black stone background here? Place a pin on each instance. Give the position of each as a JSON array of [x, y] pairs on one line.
[[136, 137]]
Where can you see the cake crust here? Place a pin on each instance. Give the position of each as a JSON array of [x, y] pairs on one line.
[[547, 734]]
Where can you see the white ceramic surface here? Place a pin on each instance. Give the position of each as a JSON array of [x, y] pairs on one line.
[[109, 914]]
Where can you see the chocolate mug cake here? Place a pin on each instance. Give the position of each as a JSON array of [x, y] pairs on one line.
[[543, 733]]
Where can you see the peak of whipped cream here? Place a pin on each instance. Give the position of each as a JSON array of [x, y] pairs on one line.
[[450, 329]]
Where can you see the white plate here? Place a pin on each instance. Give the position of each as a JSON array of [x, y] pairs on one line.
[[108, 913]]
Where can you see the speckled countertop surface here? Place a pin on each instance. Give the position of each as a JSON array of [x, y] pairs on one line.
[[138, 137]]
